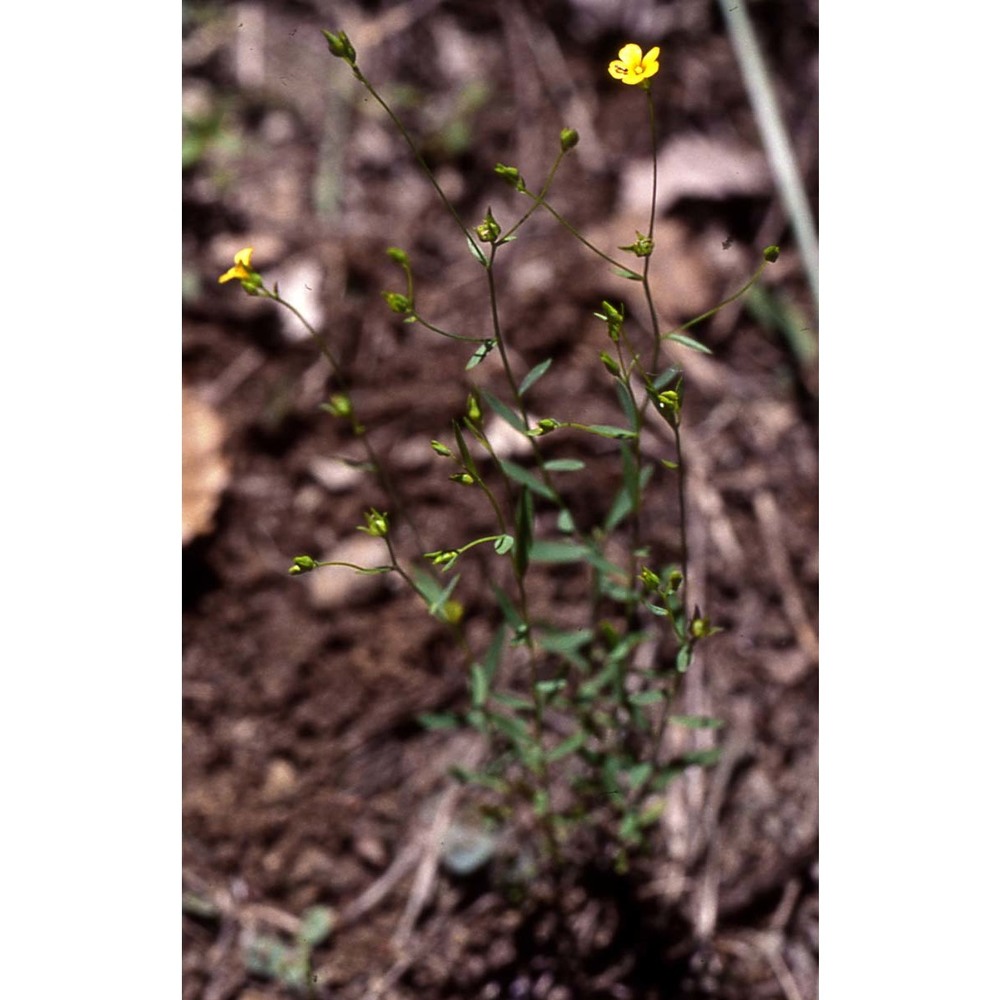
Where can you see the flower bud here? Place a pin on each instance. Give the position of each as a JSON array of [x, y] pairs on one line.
[[398, 303], [376, 524], [340, 45], [771, 253], [399, 256], [302, 564], [568, 138], [442, 449], [609, 362], [488, 230], [511, 175], [472, 409], [642, 247]]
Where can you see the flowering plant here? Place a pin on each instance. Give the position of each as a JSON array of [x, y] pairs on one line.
[[572, 720]]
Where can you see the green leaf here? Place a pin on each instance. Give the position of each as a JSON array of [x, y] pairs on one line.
[[663, 380], [623, 503], [517, 703], [562, 641], [564, 522], [627, 404], [524, 528], [436, 602], [317, 922], [550, 686], [683, 658], [475, 251], [527, 479], [480, 685], [503, 411], [559, 552], [645, 697], [516, 729], [702, 758], [630, 477], [513, 619], [696, 345], [480, 356], [468, 461], [564, 465], [534, 375], [503, 544], [438, 720], [606, 430], [494, 653], [695, 721], [570, 745], [625, 273]]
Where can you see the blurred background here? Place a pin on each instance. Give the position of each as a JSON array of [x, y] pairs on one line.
[[309, 786]]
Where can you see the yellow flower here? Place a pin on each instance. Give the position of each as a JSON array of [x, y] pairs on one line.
[[242, 269], [632, 66]]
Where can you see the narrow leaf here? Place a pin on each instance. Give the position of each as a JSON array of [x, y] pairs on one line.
[[696, 345], [480, 356], [564, 465], [521, 475], [534, 375], [475, 251], [568, 746], [695, 721], [503, 411], [606, 430]]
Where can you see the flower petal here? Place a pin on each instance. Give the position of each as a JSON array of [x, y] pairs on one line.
[[630, 54], [242, 257]]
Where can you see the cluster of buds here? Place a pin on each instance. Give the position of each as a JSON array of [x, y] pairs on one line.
[[614, 318], [376, 524], [642, 247]]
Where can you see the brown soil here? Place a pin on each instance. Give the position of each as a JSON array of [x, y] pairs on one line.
[[308, 779]]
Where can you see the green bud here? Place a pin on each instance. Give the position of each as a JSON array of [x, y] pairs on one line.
[[472, 408], [642, 247], [699, 628], [674, 581], [610, 363], [453, 612], [442, 557], [442, 449], [511, 175], [376, 524], [340, 405], [649, 579], [340, 45], [668, 403], [568, 138], [399, 256], [302, 564], [771, 253], [488, 230], [547, 424], [252, 283], [613, 318], [398, 303], [463, 478]]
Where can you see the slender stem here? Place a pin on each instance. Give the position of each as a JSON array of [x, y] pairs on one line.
[[356, 427], [725, 302], [416, 152], [538, 199]]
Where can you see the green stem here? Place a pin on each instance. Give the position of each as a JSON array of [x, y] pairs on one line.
[[413, 148]]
